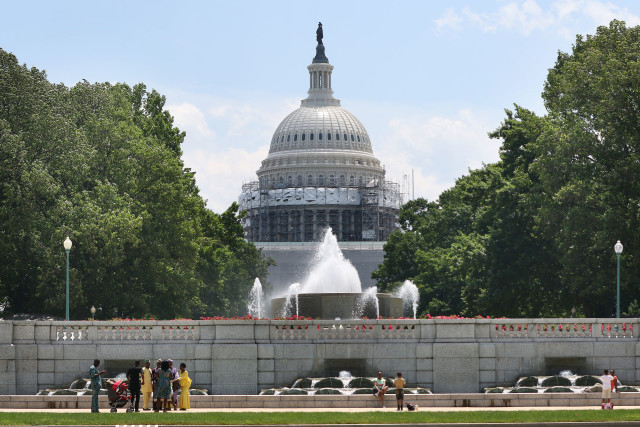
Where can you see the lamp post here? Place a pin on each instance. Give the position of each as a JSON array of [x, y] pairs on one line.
[[618, 248], [67, 247], [93, 312]]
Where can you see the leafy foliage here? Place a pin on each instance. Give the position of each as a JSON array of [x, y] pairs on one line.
[[102, 164], [533, 234]]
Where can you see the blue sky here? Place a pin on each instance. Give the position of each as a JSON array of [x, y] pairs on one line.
[[427, 79]]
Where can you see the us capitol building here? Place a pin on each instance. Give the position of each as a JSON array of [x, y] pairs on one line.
[[320, 172]]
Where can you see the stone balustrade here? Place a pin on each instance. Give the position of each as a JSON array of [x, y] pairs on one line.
[[423, 330], [244, 356]]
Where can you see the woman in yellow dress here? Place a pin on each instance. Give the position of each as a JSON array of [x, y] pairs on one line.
[[185, 383]]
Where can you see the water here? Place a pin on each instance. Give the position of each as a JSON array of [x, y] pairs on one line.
[[410, 296], [332, 272], [368, 298], [345, 374], [291, 305], [256, 300]]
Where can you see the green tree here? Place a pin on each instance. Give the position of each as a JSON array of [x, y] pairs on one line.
[[102, 164], [590, 165]]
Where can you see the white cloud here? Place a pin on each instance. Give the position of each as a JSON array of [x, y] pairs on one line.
[[220, 174], [438, 148], [188, 116], [450, 19], [526, 17], [226, 141], [602, 13]]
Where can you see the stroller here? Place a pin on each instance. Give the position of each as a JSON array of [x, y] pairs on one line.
[[119, 396]]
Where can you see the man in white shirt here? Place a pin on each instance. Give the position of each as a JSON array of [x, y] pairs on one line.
[[606, 388]]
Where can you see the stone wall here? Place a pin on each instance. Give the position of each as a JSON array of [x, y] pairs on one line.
[[242, 357]]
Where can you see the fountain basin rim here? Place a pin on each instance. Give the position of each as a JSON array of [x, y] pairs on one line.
[[331, 294]]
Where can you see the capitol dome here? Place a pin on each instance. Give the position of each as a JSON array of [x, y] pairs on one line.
[[320, 171], [321, 127]]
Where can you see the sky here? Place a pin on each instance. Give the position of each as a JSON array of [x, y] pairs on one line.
[[428, 79]]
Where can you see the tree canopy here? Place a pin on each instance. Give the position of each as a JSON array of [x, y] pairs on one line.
[[102, 164], [533, 234]]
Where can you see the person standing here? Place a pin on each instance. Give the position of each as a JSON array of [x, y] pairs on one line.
[[399, 383], [96, 384], [606, 389], [614, 383], [380, 388], [163, 387], [133, 377], [185, 383], [175, 385], [155, 381], [147, 385]]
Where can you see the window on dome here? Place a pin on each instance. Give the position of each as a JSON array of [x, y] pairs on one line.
[[311, 137], [358, 138], [288, 137], [295, 137], [319, 82], [320, 136], [309, 179], [351, 137], [303, 136], [337, 137], [329, 136]]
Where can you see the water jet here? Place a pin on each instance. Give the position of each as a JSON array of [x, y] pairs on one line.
[[332, 290]]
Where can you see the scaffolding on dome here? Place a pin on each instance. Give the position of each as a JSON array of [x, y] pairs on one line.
[[287, 213]]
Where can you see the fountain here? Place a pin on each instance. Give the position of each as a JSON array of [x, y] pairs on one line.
[[256, 300], [332, 290], [410, 296], [291, 306], [368, 302]]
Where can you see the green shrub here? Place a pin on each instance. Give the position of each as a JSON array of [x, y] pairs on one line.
[[302, 383], [587, 380], [360, 382], [527, 382], [558, 389], [556, 381], [329, 383]]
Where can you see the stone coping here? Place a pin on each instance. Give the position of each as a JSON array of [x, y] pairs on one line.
[[479, 400]]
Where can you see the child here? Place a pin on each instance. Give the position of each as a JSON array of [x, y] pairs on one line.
[[399, 383]]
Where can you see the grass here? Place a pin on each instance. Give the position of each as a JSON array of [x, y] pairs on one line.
[[373, 417]]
